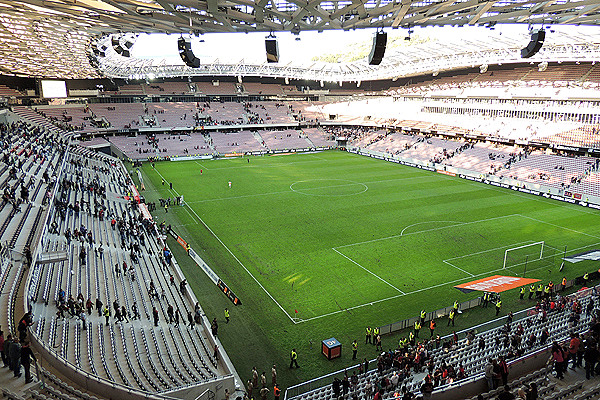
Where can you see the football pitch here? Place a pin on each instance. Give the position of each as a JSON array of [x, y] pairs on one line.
[[323, 244]]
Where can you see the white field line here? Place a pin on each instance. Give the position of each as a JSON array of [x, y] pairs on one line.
[[426, 230], [487, 251], [458, 268], [423, 289], [291, 191], [203, 166], [372, 273], [425, 222], [233, 255], [238, 197], [320, 158], [173, 191]]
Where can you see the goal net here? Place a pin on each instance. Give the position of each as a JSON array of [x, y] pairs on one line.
[[521, 255]]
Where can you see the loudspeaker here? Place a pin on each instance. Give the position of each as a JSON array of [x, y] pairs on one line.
[[116, 45], [378, 49], [537, 40], [272, 50], [185, 52]]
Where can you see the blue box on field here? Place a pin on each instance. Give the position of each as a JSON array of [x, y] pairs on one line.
[[331, 348]]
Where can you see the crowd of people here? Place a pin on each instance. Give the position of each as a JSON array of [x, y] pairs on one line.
[[436, 358]]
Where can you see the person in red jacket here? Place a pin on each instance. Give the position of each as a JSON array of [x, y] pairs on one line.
[[573, 349], [503, 370]]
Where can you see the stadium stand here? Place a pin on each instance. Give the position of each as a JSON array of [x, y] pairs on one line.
[[168, 88], [170, 115], [7, 91], [120, 117], [287, 139], [93, 223], [270, 112], [319, 138], [161, 145], [128, 90], [234, 142], [111, 255], [217, 88], [454, 361], [222, 113], [263, 89]]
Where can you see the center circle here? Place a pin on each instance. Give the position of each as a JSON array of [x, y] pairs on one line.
[[328, 187]]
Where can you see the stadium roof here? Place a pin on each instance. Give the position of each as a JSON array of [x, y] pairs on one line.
[[48, 38], [429, 57], [288, 15]]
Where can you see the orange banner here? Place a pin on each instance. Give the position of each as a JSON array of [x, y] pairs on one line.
[[182, 242], [496, 283]]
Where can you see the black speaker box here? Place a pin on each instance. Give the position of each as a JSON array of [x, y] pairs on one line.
[[185, 52], [272, 50], [537, 40], [378, 49]]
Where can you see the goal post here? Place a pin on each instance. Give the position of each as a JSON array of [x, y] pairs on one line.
[[521, 254]]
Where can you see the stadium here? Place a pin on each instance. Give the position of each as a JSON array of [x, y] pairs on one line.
[[309, 200]]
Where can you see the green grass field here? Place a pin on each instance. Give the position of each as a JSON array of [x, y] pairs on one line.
[[349, 241]]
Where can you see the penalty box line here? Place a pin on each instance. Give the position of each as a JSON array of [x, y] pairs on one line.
[[427, 230], [369, 271], [447, 260], [422, 290]]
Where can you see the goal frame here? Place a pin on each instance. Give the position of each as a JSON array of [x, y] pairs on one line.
[[542, 243]]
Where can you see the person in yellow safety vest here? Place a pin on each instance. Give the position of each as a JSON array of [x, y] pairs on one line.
[[354, 349], [539, 291], [226, 315], [432, 326], [294, 359], [402, 342], [563, 284], [451, 317], [586, 277], [187, 248], [455, 306], [375, 333], [368, 333], [531, 290], [547, 292], [423, 315], [417, 328], [411, 338], [522, 292], [498, 306], [106, 313]]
